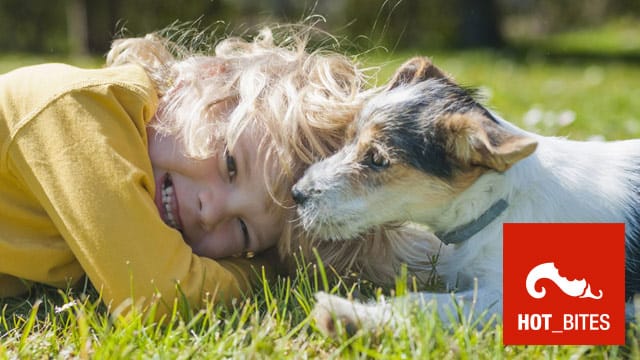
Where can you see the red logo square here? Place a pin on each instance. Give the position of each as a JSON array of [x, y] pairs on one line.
[[563, 284]]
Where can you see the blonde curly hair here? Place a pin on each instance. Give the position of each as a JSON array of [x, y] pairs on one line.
[[300, 100]]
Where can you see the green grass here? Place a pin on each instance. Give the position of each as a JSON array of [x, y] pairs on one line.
[[617, 37], [600, 96], [271, 324]]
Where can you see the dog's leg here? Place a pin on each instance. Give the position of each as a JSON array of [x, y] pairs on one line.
[[473, 307]]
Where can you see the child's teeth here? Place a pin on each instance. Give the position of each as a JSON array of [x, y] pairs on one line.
[[167, 194]]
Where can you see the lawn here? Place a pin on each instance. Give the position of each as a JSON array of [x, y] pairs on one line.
[[580, 98]]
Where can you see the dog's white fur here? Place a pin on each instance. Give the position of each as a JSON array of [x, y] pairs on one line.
[[562, 181]]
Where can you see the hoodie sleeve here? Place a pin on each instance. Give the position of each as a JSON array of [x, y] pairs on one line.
[[82, 155]]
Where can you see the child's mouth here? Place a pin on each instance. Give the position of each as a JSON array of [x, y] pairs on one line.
[[170, 204]]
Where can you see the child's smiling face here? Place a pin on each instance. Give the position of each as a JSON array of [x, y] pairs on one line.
[[221, 205]]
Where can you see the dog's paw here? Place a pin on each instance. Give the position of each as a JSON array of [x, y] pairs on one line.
[[334, 314]]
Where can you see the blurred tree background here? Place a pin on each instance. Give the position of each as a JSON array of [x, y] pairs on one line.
[[557, 67], [81, 27]]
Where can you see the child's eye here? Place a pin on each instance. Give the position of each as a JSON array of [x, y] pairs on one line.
[[231, 164]]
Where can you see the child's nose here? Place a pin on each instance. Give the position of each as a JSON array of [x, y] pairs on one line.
[[212, 208]]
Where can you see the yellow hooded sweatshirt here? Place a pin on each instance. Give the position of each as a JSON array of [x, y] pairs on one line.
[[77, 189]]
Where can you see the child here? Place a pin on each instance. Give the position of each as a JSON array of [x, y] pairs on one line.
[[140, 174]]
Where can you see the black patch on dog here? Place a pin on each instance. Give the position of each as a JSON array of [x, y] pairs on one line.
[[409, 126], [422, 148], [632, 241]]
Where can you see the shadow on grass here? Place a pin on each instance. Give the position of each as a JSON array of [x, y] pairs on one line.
[[43, 302]]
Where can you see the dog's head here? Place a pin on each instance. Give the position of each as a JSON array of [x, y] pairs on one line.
[[413, 148]]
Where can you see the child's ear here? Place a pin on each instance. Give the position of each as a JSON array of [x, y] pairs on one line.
[[415, 70], [480, 141]]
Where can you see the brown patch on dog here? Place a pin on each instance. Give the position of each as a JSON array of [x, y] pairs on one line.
[[462, 179], [368, 135], [370, 143], [405, 178], [415, 70], [475, 140], [402, 177]]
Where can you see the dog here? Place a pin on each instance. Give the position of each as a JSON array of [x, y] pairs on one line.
[[425, 151]]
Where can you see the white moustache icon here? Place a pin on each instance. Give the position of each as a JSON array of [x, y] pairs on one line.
[[573, 288]]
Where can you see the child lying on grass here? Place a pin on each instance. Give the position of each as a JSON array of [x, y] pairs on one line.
[[151, 174]]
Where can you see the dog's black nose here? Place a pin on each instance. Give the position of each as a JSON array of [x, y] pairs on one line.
[[298, 196]]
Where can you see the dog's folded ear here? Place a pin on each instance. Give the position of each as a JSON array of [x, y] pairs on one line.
[[480, 141], [415, 70]]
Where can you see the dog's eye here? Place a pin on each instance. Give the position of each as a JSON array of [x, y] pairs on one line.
[[376, 160]]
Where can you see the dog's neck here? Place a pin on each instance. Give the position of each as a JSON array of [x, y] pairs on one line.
[[463, 232], [563, 181]]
